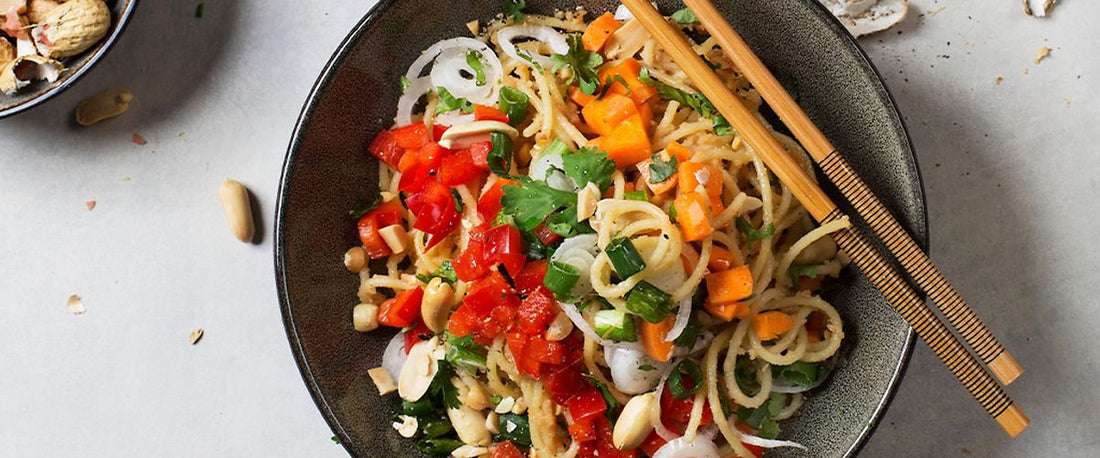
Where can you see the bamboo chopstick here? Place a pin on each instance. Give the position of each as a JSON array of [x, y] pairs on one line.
[[881, 273], [881, 222]]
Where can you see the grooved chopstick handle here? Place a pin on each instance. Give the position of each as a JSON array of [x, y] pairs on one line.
[[944, 344], [882, 223]]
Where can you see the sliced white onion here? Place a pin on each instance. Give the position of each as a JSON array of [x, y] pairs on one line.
[[450, 67], [393, 358], [407, 102], [622, 13], [543, 164], [760, 441], [541, 33], [659, 425], [579, 252], [625, 360], [429, 54], [679, 447], [683, 315], [453, 118], [560, 181]]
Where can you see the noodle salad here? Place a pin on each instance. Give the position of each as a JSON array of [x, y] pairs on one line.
[[582, 256]]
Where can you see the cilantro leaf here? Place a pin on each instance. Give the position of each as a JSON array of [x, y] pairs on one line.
[[589, 165], [363, 207], [527, 57], [458, 200], [647, 367], [800, 373], [462, 352], [442, 388], [660, 170], [583, 62], [514, 8], [531, 203], [752, 233], [684, 16], [448, 102], [610, 81], [335, 440], [697, 101], [801, 271], [473, 59], [406, 83], [761, 418], [446, 272]]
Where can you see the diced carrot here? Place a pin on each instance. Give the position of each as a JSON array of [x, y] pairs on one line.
[[727, 312], [693, 215], [688, 264], [653, 338], [604, 115], [646, 110], [598, 32], [488, 113], [680, 151], [720, 259], [769, 325], [815, 327], [809, 284], [579, 97], [661, 187], [693, 174], [729, 286], [627, 144], [628, 70]]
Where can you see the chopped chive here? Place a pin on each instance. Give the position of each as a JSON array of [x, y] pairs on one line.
[[615, 325], [560, 278], [624, 257], [676, 379], [636, 195], [513, 103], [649, 302]]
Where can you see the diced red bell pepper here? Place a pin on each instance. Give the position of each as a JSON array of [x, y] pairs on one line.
[[545, 235], [488, 309], [412, 136], [506, 450], [652, 443], [458, 168], [605, 445], [517, 344], [485, 294], [544, 351], [420, 166], [583, 431], [755, 450], [530, 279], [369, 224], [488, 113], [488, 205], [586, 404], [402, 310], [438, 130], [536, 311], [504, 245], [479, 153], [679, 410], [385, 148], [434, 208], [564, 381], [470, 264], [417, 334]]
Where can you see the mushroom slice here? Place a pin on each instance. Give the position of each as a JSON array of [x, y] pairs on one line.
[[21, 71], [862, 17]]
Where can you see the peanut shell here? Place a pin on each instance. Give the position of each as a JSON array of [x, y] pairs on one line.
[[72, 28]]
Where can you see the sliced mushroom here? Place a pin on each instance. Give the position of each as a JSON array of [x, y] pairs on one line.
[[633, 425], [396, 237], [464, 135], [419, 370]]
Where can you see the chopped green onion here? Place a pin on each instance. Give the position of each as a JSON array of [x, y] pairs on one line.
[[624, 257], [473, 60], [615, 325], [500, 157], [419, 408], [676, 379], [649, 302], [636, 195], [672, 212], [435, 427], [438, 446], [513, 102], [560, 278], [515, 428], [689, 335], [800, 373], [556, 147]]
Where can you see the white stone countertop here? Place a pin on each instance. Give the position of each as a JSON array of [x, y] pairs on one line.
[[1010, 171]]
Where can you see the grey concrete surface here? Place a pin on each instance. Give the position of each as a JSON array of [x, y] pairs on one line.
[[1010, 171]]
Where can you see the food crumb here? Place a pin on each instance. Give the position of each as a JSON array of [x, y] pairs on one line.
[[126, 178], [196, 335], [75, 305], [138, 139], [999, 80], [90, 204], [1025, 70], [936, 11], [1067, 101], [1041, 54]]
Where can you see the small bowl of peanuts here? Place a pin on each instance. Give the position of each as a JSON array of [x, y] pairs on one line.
[[47, 45]]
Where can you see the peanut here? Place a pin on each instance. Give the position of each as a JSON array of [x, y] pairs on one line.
[[72, 28], [38, 9], [238, 211], [104, 105]]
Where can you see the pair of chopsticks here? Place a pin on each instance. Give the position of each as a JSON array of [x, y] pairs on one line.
[[966, 367]]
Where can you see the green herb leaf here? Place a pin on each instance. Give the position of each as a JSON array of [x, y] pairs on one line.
[[473, 59], [448, 102], [513, 102], [800, 373], [363, 206], [199, 10], [462, 352], [585, 65], [610, 81], [406, 83], [335, 440], [677, 386], [745, 375], [752, 233], [589, 165], [636, 195], [761, 418], [441, 387], [446, 272], [514, 8], [684, 16], [697, 101], [531, 203], [801, 271], [672, 212], [608, 398], [495, 399], [660, 170], [438, 446]]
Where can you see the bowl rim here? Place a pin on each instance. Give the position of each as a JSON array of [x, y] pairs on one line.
[[341, 53], [93, 59]]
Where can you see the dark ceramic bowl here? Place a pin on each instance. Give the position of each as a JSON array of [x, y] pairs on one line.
[[327, 169], [75, 67]]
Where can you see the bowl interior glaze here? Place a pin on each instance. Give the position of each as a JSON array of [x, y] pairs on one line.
[[40, 91], [327, 169]]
